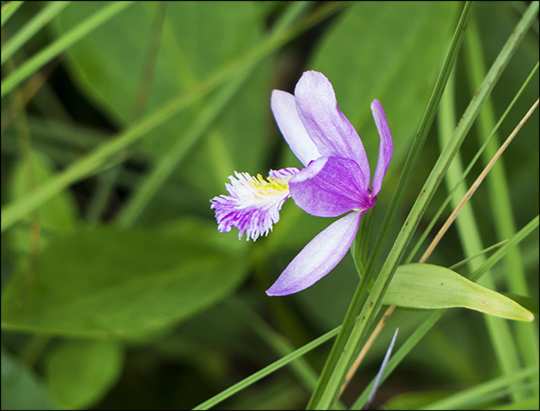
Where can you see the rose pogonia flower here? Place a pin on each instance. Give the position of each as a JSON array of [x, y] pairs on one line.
[[335, 180]]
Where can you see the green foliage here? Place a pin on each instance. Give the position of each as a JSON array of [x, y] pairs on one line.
[[428, 286], [21, 387], [78, 373], [119, 292], [105, 281]]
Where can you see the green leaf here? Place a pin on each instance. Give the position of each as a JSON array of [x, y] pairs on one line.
[[21, 387], [104, 280], [429, 286], [79, 373]]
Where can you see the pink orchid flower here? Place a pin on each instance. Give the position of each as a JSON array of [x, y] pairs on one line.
[[335, 180]]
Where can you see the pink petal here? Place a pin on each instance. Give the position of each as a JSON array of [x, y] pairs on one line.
[[284, 109], [329, 187], [330, 130], [317, 258], [386, 147]]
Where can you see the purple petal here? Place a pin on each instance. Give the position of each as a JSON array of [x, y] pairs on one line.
[[330, 186], [317, 258], [330, 130], [386, 147], [284, 109]]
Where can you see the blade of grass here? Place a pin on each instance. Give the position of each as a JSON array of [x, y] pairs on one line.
[[473, 397], [49, 12], [62, 44], [410, 164], [378, 377], [87, 165], [329, 389], [390, 310], [476, 184], [484, 251], [9, 9], [300, 367], [500, 203], [470, 239], [269, 369], [470, 166], [502, 251], [423, 329]]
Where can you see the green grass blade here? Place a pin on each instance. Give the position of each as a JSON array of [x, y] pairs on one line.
[[324, 397], [500, 203], [470, 239], [266, 370], [32, 27], [484, 251], [422, 330], [470, 166], [501, 252], [467, 399], [9, 9], [61, 44], [279, 344], [410, 164]]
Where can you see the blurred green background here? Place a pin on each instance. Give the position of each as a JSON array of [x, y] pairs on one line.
[[120, 293]]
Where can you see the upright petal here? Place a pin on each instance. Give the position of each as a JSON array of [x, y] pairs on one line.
[[386, 147], [284, 109], [317, 258], [330, 130], [330, 186]]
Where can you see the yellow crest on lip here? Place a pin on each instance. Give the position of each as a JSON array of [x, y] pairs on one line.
[[253, 203], [270, 186]]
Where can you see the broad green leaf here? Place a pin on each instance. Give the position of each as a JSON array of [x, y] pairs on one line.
[[22, 389], [429, 286], [104, 280], [79, 373]]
